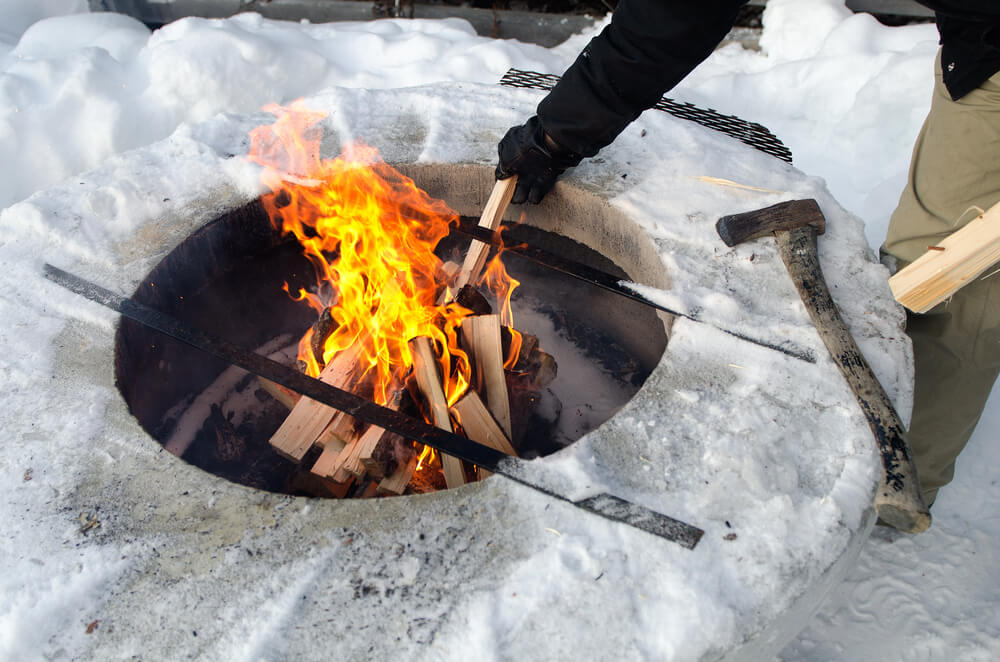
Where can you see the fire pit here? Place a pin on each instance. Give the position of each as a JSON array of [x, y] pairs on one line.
[[765, 452], [239, 267]]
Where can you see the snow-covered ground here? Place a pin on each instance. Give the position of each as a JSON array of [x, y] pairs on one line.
[[846, 94]]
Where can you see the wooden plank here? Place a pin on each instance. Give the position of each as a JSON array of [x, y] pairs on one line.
[[309, 418], [480, 426], [429, 382], [397, 482], [348, 460], [955, 261], [285, 396], [329, 463], [475, 259], [373, 453], [481, 338], [338, 433], [321, 487]]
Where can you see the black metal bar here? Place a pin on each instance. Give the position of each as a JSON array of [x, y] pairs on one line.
[[470, 227], [606, 505]]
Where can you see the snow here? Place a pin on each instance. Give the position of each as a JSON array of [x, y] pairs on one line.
[[87, 99]]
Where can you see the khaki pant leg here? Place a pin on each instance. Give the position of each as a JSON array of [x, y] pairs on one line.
[[956, 347], [955, 166]]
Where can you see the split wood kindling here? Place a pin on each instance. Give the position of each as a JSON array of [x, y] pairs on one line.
[[955, 261], [365, 460]]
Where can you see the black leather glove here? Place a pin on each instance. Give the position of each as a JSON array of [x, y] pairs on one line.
[[536, 160]]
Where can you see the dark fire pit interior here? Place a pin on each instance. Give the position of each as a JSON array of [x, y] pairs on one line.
[[227, 278]]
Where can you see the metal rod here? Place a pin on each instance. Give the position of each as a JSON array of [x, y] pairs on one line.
[[605, 505], [469, 227]]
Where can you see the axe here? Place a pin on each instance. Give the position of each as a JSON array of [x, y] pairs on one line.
[[899, 501]]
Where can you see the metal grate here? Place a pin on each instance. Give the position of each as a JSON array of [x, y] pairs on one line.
[[755, 135]]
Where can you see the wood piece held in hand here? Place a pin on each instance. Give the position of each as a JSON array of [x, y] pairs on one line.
[[475, 259], [481, 338], [480, 426], [951, 264], [309, 418], [429, 382]]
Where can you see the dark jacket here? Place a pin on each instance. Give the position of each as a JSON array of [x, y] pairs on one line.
[[648, 48], [651, 45], [970, 42]]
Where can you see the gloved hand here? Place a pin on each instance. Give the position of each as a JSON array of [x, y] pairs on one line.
[[535, 158]]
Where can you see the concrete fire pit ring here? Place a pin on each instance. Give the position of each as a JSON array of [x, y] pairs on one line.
[[767, 453]]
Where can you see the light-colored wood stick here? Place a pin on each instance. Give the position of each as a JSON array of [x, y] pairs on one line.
[[952, 263], [285, 396], [309, 418], [375, 460], [480, 426], [449, 270], [481, 339], [338, 433], [397, 482], [321, 487], [475, 259], [348, 461], [384, 439], [429, 382], [335, 449]]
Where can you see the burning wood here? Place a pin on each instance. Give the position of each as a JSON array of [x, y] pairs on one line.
[[481, 336], [308, 418], [480, 426], [388, 318], [397, 482], [429, 383], [285, 396], [340, 461], [475, 259], [389, 453]]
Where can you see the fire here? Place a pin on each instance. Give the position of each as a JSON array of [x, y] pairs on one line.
[[370, 234]]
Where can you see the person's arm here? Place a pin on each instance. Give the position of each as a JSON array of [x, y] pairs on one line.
[[648, 48]]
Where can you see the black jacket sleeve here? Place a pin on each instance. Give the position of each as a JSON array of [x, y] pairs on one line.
[[648, 48]]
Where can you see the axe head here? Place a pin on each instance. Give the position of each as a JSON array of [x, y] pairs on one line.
[[737, 228]]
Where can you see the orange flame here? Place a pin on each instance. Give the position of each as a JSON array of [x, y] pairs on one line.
[[370, 234], [497, 280]]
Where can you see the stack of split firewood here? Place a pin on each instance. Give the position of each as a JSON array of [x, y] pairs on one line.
[[346, 457]]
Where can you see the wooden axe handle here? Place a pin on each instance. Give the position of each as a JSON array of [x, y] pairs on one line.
[[899, 501]]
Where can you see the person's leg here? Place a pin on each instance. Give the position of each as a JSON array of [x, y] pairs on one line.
[[955, 168], [956, 348]]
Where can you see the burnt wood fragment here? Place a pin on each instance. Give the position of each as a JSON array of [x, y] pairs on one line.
[[471, 298]]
